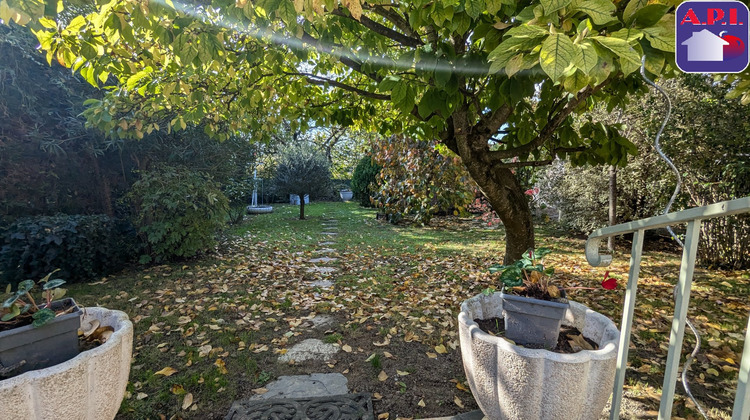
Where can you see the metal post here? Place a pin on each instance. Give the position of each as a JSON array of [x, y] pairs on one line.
[[684, 283], [627, 322], [741, 410]]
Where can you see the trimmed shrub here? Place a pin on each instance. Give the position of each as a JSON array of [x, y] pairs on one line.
[[82, 247], [365, 181], [177, 212], [303, 170]]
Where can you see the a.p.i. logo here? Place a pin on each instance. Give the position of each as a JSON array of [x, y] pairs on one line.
[[712, 36]]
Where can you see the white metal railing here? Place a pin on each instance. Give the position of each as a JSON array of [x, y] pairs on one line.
[[693, 218]]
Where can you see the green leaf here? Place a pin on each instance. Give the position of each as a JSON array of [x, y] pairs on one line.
[[11, 300], [512, 277], [25, 286], [628, 34], [621, 48], [14, 312], [558, 52], [600, 11], [576, 82], [586, 57], [53, 284], [649, 15], [554, 5], [133, 80], [632, 7], [398, 94], [474, 8], [42, 317], [48, 23], [660, 39]]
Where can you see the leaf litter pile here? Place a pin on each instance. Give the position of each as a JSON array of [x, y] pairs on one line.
[[571, 340], [210, 331]]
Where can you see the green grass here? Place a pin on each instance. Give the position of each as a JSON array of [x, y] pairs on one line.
[[249, 302]]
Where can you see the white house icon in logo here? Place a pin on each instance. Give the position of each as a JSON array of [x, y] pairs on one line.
[[705, 46]]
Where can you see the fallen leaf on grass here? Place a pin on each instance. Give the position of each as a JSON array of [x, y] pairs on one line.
[[222, 366], [402, 373], [382, 376], [377, 397], [462, 387], [385, 342], [347, 348], [167, 371], [431, 355], [178, 389], [383, 416], [388, 355], [141, 395], [187, 401], [458, 402], [421, 403], [441, 349]]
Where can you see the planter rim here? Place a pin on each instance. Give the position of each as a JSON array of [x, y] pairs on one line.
[[518, 298], [606, 348], [121, 319]]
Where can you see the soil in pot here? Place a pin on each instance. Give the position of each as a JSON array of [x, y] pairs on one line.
[[569, 341]]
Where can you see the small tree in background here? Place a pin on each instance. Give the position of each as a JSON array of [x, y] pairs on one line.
[[365, 180], [303, 170]]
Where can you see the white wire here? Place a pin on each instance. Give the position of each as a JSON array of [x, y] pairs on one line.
[[696, 349]]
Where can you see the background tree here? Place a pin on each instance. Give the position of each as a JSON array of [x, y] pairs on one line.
[[302, 170], [707, 141], [418, 180], [365, 180], [460, 71]]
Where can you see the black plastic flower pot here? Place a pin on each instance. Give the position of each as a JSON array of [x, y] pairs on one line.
[[55, 342], [532, 322]]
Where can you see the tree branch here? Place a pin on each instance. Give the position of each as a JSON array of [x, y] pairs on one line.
[[320, 81], [399, 21], [344, 58], [547, 131], [370, 24]]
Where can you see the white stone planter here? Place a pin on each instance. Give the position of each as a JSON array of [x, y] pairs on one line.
[[90, 386], [512, 382], [346, 195]]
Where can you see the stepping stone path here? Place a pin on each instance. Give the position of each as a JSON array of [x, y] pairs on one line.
[[317, 396]]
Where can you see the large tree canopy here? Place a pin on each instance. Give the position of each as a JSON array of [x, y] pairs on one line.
[[496, 81]]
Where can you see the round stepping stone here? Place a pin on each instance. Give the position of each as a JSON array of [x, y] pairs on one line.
[[324, 260], [310, 349], [322, 270], [325, 250], [321, 283], [324, 322]]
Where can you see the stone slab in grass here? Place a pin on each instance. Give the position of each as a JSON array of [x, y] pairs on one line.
[[321, 283], [310, 349], [322, 260], [330, 233], [336, 407], [322, 270], [305, 386], [325, 250], [325, 243], [323, 322]]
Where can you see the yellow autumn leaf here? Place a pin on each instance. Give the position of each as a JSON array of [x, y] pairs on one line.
[[187, 401], [462, 387], [222, 366], [431, 355], [421, 403], [347, 348], [401, 372], [441, 349], [167, 371], [141, 396], [382, 376], [388, 355], [712, 371], [178, 389], [383, 416], [458, 402]]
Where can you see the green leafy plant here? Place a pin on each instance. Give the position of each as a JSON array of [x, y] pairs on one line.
[[365, 181], [528, 276], [20, 308], [177, 211]]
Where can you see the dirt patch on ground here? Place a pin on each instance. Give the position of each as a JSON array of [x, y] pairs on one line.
[[565, 341]]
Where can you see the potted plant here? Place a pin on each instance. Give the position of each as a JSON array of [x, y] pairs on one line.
[[510, 380], [35, 337], [43, 375]]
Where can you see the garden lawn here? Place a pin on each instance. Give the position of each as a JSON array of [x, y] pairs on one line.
[[209, 330]]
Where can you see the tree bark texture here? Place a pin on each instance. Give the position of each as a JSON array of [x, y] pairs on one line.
[[301, 206]]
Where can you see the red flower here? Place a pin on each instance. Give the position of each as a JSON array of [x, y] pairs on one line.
[[609, 283]]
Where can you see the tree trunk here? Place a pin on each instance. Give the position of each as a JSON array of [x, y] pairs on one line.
[[302, 206], [612, 204], [506, 197]]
